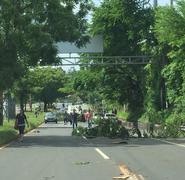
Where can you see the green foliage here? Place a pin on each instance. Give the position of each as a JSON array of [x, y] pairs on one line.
[[79, 131], [122, 115], [43, 83], [124, 25], [107, 128], [33, 121], [87, 84], [169, 30], [8, 133], [172, 125], [152, 116], [30, 29], [46, 83]]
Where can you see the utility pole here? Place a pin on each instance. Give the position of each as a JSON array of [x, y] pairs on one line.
[[171, 3]]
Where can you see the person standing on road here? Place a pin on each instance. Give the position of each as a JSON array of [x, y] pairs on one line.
[[74, 117], [21, 121], [88, 116], [65, 117]]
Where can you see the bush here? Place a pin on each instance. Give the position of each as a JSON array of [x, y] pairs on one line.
[[172, 125], [79, 131], [8, 133]]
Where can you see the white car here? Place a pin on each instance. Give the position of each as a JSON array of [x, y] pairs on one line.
[[50, 117]]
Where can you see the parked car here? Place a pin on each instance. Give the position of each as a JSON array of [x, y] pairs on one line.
[[50, 117]]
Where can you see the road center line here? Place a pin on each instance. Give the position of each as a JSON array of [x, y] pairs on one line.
[[102, 154], [180, 145]]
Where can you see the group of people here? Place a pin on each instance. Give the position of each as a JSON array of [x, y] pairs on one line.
[[73, 118], [21, 120]]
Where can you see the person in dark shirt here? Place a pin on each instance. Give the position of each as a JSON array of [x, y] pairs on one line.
[[21, 121], [65, 117], [74, 117]]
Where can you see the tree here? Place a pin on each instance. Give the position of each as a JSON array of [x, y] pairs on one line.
[[124, 25], [165, 75], [169, 30], [44, 83], [87, 84], [29, 30]]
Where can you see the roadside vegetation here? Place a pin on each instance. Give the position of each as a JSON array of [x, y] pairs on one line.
[[108, 128], [153, 93], [8, 133], [122, 115]]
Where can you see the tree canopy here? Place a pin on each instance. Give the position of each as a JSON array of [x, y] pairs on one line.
[[29, 30]]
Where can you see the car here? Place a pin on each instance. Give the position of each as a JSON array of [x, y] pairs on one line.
[[109, 116], [50, 117]]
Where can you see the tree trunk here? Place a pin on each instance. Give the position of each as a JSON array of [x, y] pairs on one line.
[[45, 107], [30, 102], [11, 108], [163, 96], [1, 107], [25, 108], [21, 102]]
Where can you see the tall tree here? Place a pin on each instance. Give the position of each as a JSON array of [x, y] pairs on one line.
[[124, 25], [29, 29], [170, 29], [43, 83]]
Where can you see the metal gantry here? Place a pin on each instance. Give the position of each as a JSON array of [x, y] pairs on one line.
[[104, 60]]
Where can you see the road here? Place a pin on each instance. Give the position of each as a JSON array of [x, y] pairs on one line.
[[51, 153]]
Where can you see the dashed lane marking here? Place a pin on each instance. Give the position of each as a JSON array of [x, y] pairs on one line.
[[102, 154], [84, 138]]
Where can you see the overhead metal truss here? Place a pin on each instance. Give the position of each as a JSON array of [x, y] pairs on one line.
[[104, 60]]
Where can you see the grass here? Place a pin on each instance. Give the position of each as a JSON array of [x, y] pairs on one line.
[[8, 133], [33, 121]]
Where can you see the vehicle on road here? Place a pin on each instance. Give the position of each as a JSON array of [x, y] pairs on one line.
[[50, 117]]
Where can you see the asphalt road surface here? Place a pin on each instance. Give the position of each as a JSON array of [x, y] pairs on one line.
[[51, 153]]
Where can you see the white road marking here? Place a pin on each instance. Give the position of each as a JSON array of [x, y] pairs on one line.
[[172, 143], [84, 138], [102, 154]]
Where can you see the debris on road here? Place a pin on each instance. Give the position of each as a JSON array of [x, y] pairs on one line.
[[126, 174], [119, 142], [82, 163]]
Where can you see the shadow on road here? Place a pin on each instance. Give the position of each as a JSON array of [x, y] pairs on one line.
[[73, 141], [60, 136]]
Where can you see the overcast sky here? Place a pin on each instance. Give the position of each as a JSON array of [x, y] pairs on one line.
[[160, 2]]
